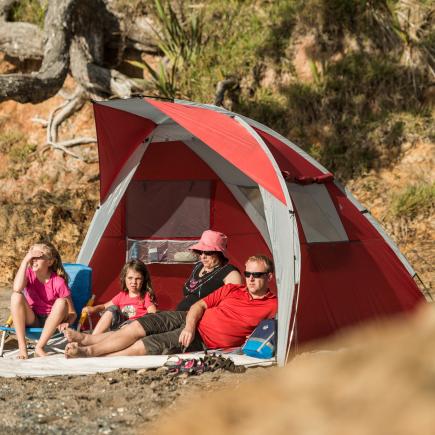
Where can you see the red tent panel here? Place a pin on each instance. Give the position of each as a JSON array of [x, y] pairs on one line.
[[356, 225], [227, 216], [119, 133], [288, 159], [106, 264], [229, 139], [346, 283], [180, 163]]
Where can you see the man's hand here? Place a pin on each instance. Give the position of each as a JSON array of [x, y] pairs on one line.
[[186, 337], [192, 318]]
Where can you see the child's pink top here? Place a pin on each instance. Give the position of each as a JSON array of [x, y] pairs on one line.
[[40, 296], [132, 308]]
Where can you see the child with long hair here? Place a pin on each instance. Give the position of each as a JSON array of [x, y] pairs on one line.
[[136, 299], [41, 297]]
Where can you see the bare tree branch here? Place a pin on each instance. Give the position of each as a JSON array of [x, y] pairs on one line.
[[21, 40], [141, 36], [38, 87], [73, 104], [96, 79], [5, 6], [71, 143], [221, 88]]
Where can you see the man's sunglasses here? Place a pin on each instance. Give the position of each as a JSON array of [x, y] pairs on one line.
[[254, 274], [196, 251]]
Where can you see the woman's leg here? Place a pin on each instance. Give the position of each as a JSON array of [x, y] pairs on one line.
[[58, 313], [104, 323], [112, 342], [83, 338], [22, 316], [136, 349]]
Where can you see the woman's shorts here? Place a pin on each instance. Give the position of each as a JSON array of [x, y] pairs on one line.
[[41, 319]]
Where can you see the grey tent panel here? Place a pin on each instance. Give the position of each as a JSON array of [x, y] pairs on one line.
[[319, 218], [168, 208]]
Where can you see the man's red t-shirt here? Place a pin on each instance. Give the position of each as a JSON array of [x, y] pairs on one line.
[[232, 314]]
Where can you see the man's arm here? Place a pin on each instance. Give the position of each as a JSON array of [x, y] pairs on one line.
[[193, 317]]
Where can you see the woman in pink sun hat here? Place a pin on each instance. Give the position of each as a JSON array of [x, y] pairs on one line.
[[211, 272]]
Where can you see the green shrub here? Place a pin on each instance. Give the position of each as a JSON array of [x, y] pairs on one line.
[[8, 139], [30, 11], [414, 200], [356, 113], [20, 152]]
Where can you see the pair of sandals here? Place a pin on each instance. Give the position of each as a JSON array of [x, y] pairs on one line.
[[209, 363]]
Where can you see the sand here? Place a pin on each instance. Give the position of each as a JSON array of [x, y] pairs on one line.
[[117, 402]]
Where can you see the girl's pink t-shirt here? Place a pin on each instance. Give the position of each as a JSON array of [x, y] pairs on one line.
[[132, 308], [40, 296]]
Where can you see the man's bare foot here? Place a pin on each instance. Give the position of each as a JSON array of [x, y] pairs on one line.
[[73, 336], [23, 356], [73, 350], [39, 351]]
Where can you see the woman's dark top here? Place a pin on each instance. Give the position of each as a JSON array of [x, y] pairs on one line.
[[198, 287]]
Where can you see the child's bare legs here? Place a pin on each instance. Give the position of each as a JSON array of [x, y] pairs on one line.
[[104, 323], [59, 312], [85, 339], [22, 315]]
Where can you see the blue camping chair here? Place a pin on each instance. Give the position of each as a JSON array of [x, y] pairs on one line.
[[80, 284]]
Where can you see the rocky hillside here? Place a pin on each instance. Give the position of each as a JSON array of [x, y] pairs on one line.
[[43, 192], [353, 86]]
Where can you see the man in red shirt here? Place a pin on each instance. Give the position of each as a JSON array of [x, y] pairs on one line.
[[222, 319]]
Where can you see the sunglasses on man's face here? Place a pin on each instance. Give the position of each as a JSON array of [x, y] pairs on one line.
[[205, 252], [254, 274]]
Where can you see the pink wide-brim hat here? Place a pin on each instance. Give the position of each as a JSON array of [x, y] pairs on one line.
[[211, 241]]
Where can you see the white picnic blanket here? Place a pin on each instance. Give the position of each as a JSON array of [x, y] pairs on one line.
[[57, 364]]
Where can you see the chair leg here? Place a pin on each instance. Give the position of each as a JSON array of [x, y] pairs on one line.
[[2, 343]]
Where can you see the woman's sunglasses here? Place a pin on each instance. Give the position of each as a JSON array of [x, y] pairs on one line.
[[254, 274], [204, 252]]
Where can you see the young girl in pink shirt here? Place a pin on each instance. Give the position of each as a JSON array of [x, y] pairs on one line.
[[41, 297], [136, 299]]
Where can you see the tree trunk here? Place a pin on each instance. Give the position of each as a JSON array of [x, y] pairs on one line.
[[80, 36], [34, 88]]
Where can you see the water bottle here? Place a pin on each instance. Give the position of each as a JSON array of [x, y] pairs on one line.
[[134, 251]]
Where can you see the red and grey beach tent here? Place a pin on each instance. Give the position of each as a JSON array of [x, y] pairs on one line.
[[170, 170]]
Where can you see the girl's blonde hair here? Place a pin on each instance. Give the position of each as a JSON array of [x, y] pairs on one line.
[[53, 254], [147, 287]]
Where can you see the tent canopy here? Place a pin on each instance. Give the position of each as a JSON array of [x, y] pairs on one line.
[[170, 170]]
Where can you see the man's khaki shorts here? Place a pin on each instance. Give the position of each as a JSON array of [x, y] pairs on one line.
[[162, 332]]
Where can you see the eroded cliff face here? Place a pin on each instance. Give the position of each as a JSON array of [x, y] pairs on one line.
[[43, 192]]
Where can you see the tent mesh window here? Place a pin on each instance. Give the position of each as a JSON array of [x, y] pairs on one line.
[[319, 218], [161, 251], [173, 215]]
